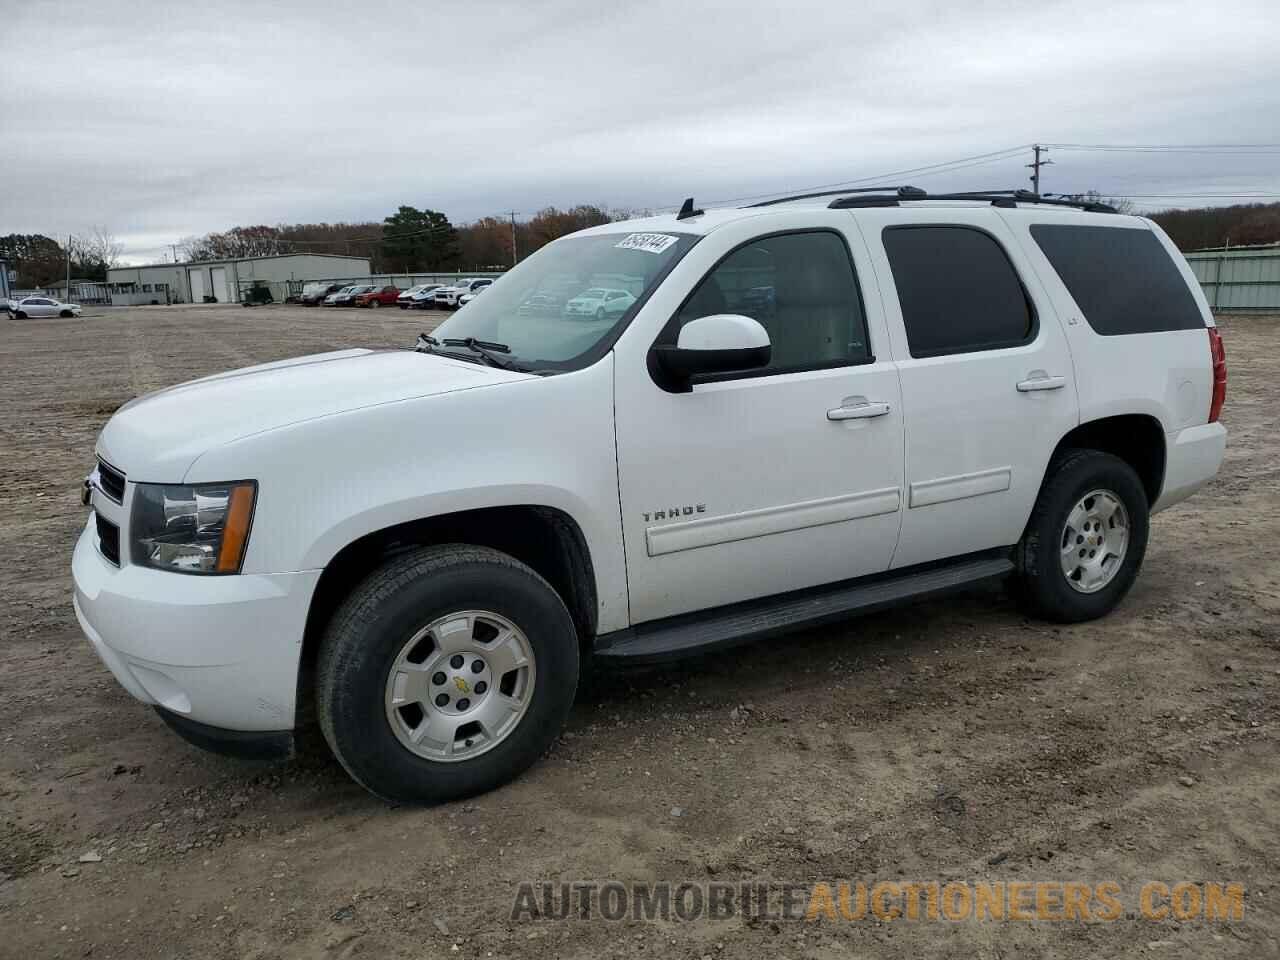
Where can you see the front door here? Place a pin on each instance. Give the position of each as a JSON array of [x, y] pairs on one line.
[[771, 480], [988, 386]]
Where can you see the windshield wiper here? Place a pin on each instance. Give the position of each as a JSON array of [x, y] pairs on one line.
[[486, 349]]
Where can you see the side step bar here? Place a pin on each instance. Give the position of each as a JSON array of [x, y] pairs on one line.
[[697, 633]]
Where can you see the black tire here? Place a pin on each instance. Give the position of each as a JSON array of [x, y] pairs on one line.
[[383, 613], [20, 315], [1040, 584], [66, 313], [599, 313]]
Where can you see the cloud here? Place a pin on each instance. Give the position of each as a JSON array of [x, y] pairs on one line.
[[162, 122]]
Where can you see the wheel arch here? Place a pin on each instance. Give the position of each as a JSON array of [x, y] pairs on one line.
[[1136, 438], [544, 538]]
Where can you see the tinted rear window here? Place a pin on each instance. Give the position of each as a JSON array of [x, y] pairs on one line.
[[1122, 279], [958, 291]]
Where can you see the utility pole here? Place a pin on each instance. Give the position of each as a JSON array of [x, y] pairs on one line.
[[514, 257], [1035, 166], [69, 239], [174, 246]]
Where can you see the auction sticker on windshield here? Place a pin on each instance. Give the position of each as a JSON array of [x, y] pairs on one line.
[[648, 242]]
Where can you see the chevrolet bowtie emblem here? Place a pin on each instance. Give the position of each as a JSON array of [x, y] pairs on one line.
[[461, 684]]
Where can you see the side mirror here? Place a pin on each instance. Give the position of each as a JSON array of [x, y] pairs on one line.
[[720, 343]]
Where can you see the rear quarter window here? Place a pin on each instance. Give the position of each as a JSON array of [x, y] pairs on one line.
[[1121, 278]]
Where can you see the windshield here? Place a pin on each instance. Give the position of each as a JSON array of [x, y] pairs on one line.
[[528, 308]]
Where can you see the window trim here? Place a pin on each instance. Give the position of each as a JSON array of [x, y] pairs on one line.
[[1033, 332], [669, 333]]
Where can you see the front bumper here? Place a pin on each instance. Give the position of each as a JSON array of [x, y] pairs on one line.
[[219, 651]]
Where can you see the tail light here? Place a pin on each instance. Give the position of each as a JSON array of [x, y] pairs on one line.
[[1219, 356]]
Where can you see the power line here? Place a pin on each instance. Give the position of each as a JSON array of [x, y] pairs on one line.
[[927, 170], [1217, 149]]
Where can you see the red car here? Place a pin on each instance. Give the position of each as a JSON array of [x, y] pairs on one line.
[[378, 298]]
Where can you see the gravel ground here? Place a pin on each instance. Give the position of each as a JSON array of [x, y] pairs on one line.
[[951, 740]]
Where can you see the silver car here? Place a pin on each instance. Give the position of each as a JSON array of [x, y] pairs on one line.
[[42, 307]]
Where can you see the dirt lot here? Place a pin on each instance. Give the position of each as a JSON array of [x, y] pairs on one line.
[[948, 741]]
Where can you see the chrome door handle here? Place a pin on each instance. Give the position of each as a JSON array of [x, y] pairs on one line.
[[857, 408], [1041, 382]]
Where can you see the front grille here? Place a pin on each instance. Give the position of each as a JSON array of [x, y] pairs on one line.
[[111, 481], [109, 540]]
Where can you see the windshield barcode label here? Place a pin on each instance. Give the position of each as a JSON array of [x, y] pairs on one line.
[[648, 242]]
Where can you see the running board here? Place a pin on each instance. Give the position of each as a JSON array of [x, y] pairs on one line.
[[697, 633]]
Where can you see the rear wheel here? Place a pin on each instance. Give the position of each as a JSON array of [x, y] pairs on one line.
[[375, 303], [446, 673], [1086, 539]]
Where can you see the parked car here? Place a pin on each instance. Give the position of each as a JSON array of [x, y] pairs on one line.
[[377, 297], [347, 296], [468, 297], [314, 294], [43, 307], [446, 298], [540, 304], [418, 295], [986, 389], [599, 303], [331, 300]]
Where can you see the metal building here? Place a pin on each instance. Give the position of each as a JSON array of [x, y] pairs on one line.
[[1239, 279], [223, 281]]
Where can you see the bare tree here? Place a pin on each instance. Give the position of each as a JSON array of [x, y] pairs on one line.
[[101, 246]]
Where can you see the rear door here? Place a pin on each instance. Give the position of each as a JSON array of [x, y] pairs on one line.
[[987, 381]]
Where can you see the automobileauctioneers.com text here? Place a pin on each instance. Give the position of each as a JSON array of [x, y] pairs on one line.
[[880, 900]]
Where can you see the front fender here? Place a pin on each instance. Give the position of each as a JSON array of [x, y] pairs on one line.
[[543, 441]]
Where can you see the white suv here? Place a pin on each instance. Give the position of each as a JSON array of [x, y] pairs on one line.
[[810, 409], [450, 297]]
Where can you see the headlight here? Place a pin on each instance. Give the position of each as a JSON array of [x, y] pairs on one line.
[[192, 529]]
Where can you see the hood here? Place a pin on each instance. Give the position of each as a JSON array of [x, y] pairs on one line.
[[157, 437]]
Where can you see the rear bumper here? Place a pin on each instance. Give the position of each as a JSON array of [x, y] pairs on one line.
[[1193, 457]]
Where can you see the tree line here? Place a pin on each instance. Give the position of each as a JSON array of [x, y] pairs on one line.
[[409, 240], [41, 261]]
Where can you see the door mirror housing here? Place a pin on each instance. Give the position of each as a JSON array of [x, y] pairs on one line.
[[719, 343]]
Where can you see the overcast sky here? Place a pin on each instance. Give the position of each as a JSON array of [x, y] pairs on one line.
[[161, 121]]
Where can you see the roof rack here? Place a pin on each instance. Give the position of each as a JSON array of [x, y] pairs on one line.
[[997, 198], [892, 196], [829, 193]]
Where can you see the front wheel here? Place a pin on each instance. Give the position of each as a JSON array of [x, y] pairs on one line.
[[446, 673], [375, 303], [1086, 539], [21, 315]]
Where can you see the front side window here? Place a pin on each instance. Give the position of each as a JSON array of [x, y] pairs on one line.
[[801, 288], [1121, 278], [958, 291], [549, 308]]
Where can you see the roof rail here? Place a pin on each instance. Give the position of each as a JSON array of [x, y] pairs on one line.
[[998, 198], [905, 192]]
